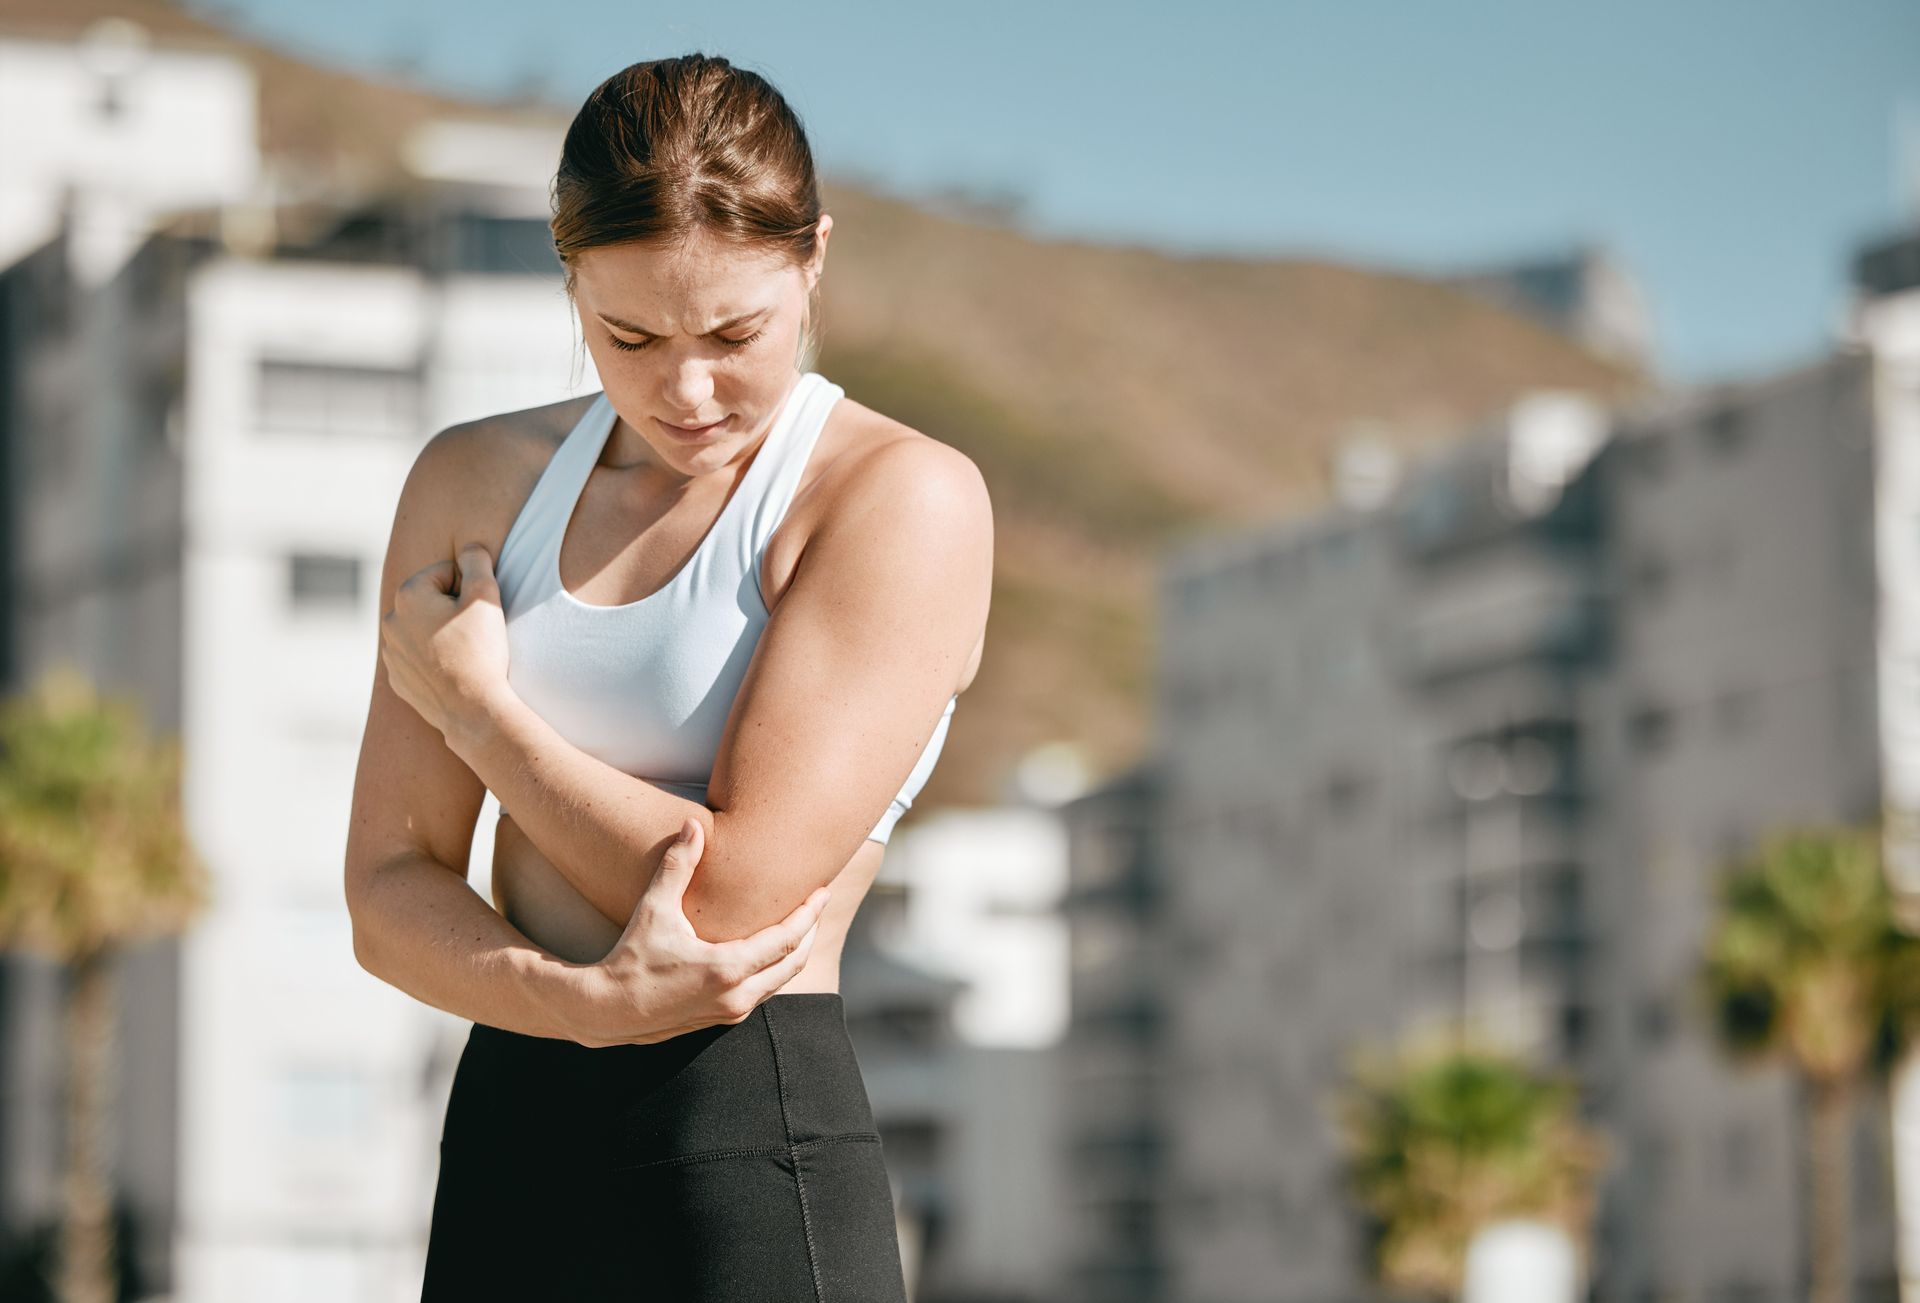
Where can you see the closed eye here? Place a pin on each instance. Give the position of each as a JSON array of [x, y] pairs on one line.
[[631, 347]]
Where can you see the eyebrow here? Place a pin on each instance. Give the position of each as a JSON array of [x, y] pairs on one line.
[[632, 329]]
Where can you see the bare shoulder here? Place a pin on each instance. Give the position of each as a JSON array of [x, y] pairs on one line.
[[471, 478], [865, 460], [880, 460]]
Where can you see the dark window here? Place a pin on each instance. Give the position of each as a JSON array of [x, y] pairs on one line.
[[512, 245], [1647, 455], [1650, 729], [1576, 1029], [316, 580], [109, 101], [1650, 577], [913, 1143], [1348, 792], [1724, 429], [1654, 1017]]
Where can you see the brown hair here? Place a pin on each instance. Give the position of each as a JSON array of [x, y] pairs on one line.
[[667, 148]]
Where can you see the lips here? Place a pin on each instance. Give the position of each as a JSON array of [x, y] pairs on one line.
[[691, 432]]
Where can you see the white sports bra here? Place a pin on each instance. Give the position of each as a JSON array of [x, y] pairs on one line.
[[647, 686]]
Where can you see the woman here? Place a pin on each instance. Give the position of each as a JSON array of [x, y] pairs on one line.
[[715, 617]]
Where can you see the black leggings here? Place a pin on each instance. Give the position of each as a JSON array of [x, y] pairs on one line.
[[737, 1162]]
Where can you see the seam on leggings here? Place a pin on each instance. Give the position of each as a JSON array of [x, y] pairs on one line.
[[793, 1152], [710, 1155]]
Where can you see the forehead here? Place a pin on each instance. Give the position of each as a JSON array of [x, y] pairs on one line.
[[704, 273]]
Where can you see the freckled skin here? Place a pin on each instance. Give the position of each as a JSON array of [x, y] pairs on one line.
[[687, 372]]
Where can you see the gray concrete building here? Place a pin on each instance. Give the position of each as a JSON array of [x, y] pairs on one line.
[[1483, 749], [1114, 1062]]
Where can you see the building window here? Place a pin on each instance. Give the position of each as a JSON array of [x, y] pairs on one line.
[[315, 580], [1647, 455], [110, 101], [1576, 1029], [1650, 576], [513, 245], [301, 397], [914, 1143], [1654, 1016], [1724, 429], [1348, 792], [1650, 729]]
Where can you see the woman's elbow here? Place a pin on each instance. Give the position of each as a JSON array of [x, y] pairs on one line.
[[744, 882]]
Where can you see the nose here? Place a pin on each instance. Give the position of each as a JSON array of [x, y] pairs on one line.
[[687, 392]]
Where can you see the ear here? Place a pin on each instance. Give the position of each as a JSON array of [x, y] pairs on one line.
[[815, 267]]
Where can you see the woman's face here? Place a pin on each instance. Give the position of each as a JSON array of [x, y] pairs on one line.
[[706, 334]]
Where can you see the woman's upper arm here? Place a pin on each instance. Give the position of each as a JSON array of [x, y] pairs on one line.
[[848, 679], [411, 792]]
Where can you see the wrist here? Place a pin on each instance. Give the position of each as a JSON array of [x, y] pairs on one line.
[[479, 721], [561, 991]]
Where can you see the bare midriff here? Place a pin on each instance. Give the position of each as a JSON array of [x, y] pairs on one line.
[[532, 895]]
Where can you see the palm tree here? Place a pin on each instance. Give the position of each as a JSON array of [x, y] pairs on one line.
[[94, 858], [1446, 1136], [1806, 965]]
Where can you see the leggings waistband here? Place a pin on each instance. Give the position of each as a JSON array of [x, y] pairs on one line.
[[784, 1076]]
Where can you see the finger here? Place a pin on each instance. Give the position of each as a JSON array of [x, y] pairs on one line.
[[476, 571], [676, 865], [771, 944], [778, 974], [438, 577]]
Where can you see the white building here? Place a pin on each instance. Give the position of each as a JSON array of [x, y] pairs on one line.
[[210, 404], [217, 365], [310, 1117]]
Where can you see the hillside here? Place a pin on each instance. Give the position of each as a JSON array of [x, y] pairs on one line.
[[1117, 397], [1113, 397]]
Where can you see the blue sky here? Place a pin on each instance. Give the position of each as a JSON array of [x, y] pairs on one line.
[[1734, 153]]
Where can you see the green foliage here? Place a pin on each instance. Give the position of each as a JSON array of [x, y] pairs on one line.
[[1805, 962], [93, 846], [1805, 958], [1446, 1135]]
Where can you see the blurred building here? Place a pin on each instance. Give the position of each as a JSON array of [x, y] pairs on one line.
[[956, 985], [1585, 294], [1481, 748], [208, 402], [205, 451], [1116, 1067], [215, 373]]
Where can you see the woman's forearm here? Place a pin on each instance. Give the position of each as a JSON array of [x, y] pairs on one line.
[[604, 830], [419, 926]]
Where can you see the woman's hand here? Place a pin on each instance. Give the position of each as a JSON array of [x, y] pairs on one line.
[[445, 647], [662, 979]]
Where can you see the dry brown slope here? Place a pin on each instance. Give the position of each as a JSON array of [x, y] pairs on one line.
[[1113, 397], [1117, 397]]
